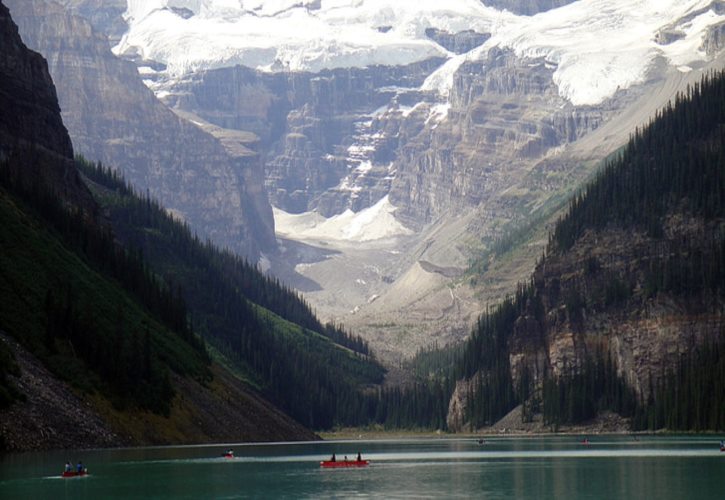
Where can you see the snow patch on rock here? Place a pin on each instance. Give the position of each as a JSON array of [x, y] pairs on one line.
[[373, 223]]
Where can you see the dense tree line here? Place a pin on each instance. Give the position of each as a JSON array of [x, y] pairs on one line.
[[485, 361], [266, 328], [677, 163], [586, 390], [134, 210], [689, 397], [73, 321], [126, 361]]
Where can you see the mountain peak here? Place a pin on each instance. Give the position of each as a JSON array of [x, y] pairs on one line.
[[596, 46]]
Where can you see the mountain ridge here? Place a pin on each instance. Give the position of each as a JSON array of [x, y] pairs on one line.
[[630, 291]]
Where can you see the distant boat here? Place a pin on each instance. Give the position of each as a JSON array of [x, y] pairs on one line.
[[228, 454], [344, 463]]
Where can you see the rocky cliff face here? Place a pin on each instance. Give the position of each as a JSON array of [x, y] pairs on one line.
[[106, 16], [326, 144], [596, 296], [526, 7], [32, 136], [114, 118], [594, 299]]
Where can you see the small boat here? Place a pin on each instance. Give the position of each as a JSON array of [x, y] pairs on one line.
[[228, 454], [73, 473], [344, 463]]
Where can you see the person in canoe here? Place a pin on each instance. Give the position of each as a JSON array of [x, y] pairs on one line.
[[359, 457], [68, 467], [333, 458], [80, 468]]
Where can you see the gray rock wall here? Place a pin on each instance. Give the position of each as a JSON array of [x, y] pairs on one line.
[[505, 116], [33, 139], [526, 7], [307, 124], [114, 118]]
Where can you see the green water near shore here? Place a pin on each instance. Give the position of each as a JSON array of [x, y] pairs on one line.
[[661, 467]]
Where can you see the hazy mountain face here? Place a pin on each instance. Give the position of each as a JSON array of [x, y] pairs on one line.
[[112, 117], [461, 118]]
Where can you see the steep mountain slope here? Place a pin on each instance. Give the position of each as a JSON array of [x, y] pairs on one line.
[[470, 119], [31, 122], [101, 351], [625, 312], [463, 120], [113, 118], [268, 333]]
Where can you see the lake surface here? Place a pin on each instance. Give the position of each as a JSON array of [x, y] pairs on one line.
[[609, 467]]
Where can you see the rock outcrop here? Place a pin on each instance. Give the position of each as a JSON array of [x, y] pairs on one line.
[[458, 43], [526, 7], [33, 138], [106, 16], [112, 117], [644, 335]]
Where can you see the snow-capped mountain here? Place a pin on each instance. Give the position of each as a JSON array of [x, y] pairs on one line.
[[398, 139], [596, 46]]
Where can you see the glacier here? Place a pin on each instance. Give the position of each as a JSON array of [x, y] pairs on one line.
[[596, 46], [373, 223]]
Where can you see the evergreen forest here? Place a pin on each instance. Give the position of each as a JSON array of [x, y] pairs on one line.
[[673, 168]]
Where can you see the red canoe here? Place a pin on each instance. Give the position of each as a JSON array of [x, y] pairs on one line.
[[344, 463], [74, 473]]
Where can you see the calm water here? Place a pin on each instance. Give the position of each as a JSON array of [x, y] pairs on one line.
[[536, 467]]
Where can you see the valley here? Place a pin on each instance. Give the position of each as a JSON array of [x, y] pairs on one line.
[[359, 213]]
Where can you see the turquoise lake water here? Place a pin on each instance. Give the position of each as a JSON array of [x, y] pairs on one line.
[[557, 467]]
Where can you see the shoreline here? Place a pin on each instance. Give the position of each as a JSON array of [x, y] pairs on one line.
[[381, 434]]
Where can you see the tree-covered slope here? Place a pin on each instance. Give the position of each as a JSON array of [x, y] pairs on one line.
[[625, 312], [262, 326], [88, 329]]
